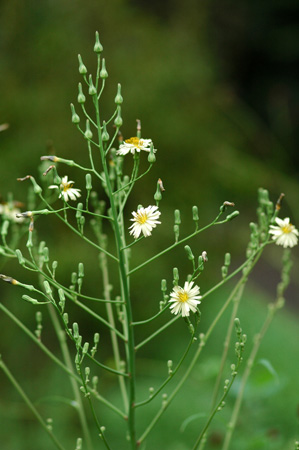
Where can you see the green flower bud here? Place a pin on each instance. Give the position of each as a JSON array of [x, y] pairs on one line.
[[118, 120], [105, 135], [189, 252], [227, 259], [82, 67], [98, 48], [177, 217], [75, 330], [232, 215], [88, 182], [81, 97], [195, 213], [103, 72], [75, 117], [92, 90], [88, 133], [118, 99]]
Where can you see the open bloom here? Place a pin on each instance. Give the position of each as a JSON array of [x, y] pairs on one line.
[[184, 299], [285, 233], [66, 189], [145, 219], [134, 144]]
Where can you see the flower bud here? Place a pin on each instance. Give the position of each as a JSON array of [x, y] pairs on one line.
[[118, 99], [175, 276], [189, 252], [88, 182], [81, 97], [103, 72], [75, 330], [105, 135], [195, 213], [98, 48], [177, 217], [118, 120], [92, 90], [82, 67], [75, 117], [88, 133], [232, 215]]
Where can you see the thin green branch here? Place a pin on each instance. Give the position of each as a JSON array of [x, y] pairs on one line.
[[153, 335], [153, 317], [30, 404], [56, 360]]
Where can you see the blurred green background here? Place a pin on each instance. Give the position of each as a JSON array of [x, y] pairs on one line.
[[215, 85]]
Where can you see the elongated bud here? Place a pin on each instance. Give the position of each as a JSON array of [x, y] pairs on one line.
[[75, 117], [79, 210], [103, 72], [88, 133], [189, 252], [75, 330], [176, 229], [81, 97], [82, 67], [88, 182], [163, 285], [62, 299], [177, 217], [151, 156], [232, 215], [195, 214], [98, 48], [47, 288], [175, 276], [227, 259], [158, 194], [105, 135], [20, 256], [4, 228], [30, 299], [46, 254], [118, 120], [91, 90], [118, 98]]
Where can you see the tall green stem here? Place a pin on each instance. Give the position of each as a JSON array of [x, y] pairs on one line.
[[124, 287]]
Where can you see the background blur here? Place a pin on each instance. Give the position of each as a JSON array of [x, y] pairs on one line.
[[215, 85]]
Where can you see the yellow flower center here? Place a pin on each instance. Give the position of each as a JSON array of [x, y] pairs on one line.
[[183, 296], [287, 228], [135, 141], [66, 186], [142, 218]]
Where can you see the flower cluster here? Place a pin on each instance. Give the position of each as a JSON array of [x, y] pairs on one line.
[[284, 233], [66, 189]]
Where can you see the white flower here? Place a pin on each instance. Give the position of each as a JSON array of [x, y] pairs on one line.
[[9, 212], [184, 299], [285, 233], [145, 219], [66, 189], [134, 144]]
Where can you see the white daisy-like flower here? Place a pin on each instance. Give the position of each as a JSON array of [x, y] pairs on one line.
[[184, 299], [285, 233], [135, 144], [145, 219], [66, 189], [9, 212]]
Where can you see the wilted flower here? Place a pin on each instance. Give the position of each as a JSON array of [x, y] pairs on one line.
[[184, 299], [135, 144], [10, 212], [285, 233], [145, 219], [66, 189]]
